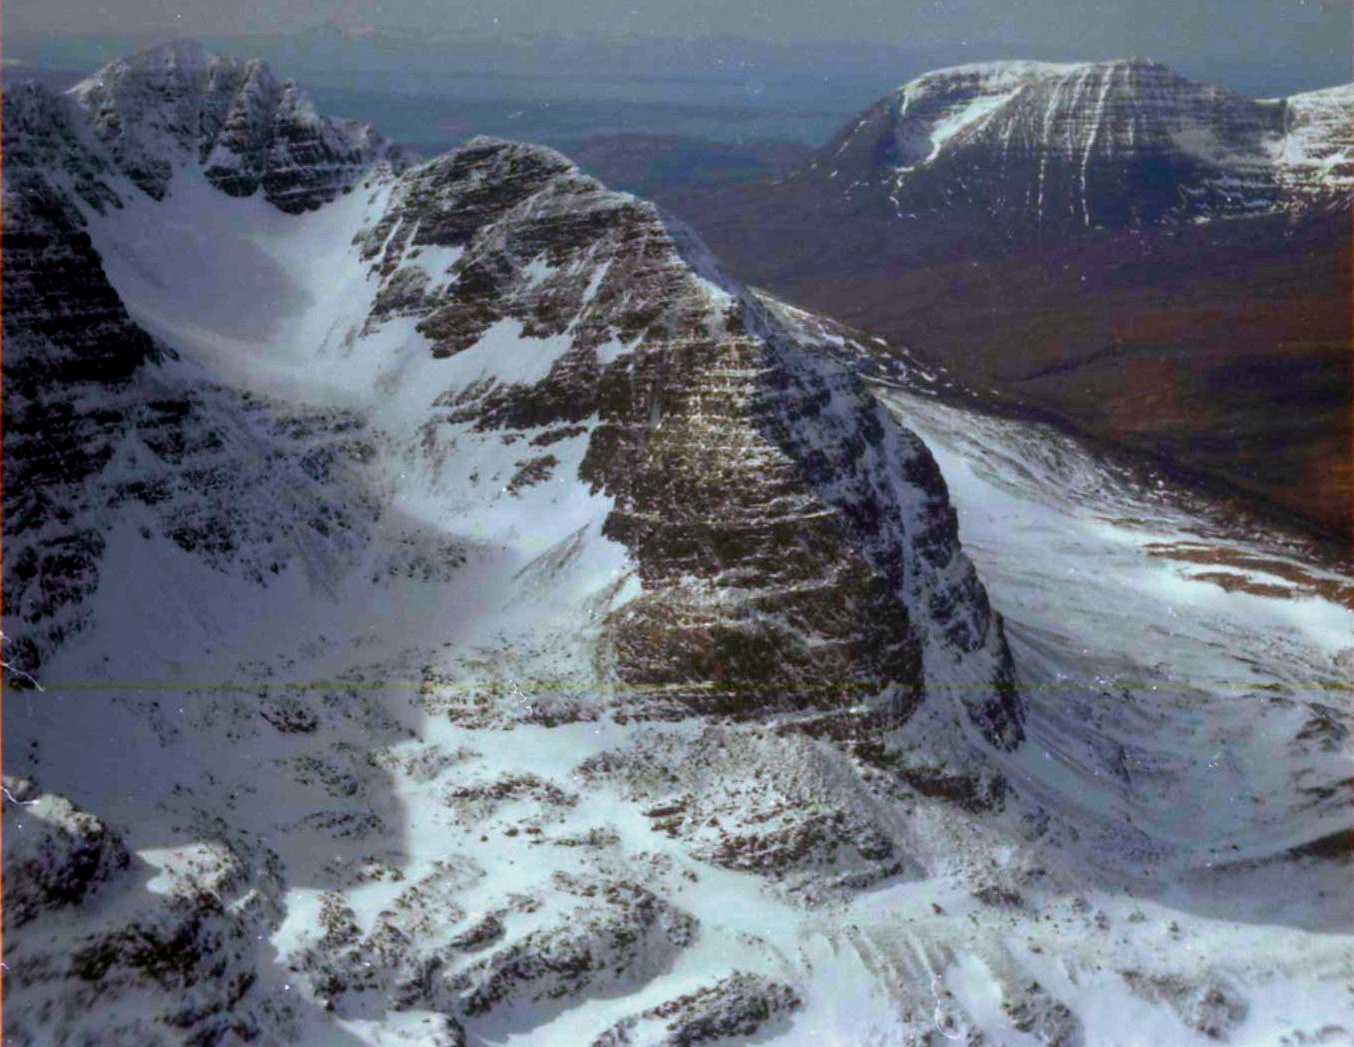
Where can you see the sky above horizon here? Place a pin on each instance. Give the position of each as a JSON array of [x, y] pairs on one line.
[[1090, 25], [1229, 39]]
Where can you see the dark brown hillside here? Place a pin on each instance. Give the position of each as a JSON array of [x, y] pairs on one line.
[[1223, 346]]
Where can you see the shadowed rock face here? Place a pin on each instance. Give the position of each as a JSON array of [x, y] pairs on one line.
[[91, 425], [66, 335], [57, 855], [194, 941], [249, 130], [56, 295], [1103, 144], [56, 292]]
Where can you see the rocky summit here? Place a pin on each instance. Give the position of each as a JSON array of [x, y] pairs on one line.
[[443, 607], [248, 130]]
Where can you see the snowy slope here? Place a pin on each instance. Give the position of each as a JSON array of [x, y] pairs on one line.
[[490, 624], [1160, 599], [1316, 154]]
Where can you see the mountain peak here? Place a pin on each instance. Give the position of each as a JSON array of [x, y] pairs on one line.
[[1007, 69], [184, 53], [179, 104], [178, 62], [507, 147]]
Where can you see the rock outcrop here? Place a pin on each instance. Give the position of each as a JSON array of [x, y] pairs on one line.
[[55, 855], [739, 1005]]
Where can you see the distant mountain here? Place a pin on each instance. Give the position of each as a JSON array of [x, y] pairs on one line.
[[1098, 144], [1156, 261]]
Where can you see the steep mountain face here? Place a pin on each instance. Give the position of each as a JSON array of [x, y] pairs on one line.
[[68, 340], [1102, 144], [720, 443], [95, 426], [458, 613]]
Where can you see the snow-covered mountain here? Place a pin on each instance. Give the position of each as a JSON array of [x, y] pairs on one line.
[[1121, 143], [246, 129], [573, 326], [453, 611]]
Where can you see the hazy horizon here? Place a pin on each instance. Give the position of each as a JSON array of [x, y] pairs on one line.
[[1253, 46]]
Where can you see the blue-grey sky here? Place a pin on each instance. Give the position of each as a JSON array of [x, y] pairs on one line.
[[1233, 42], [1091, 25]]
